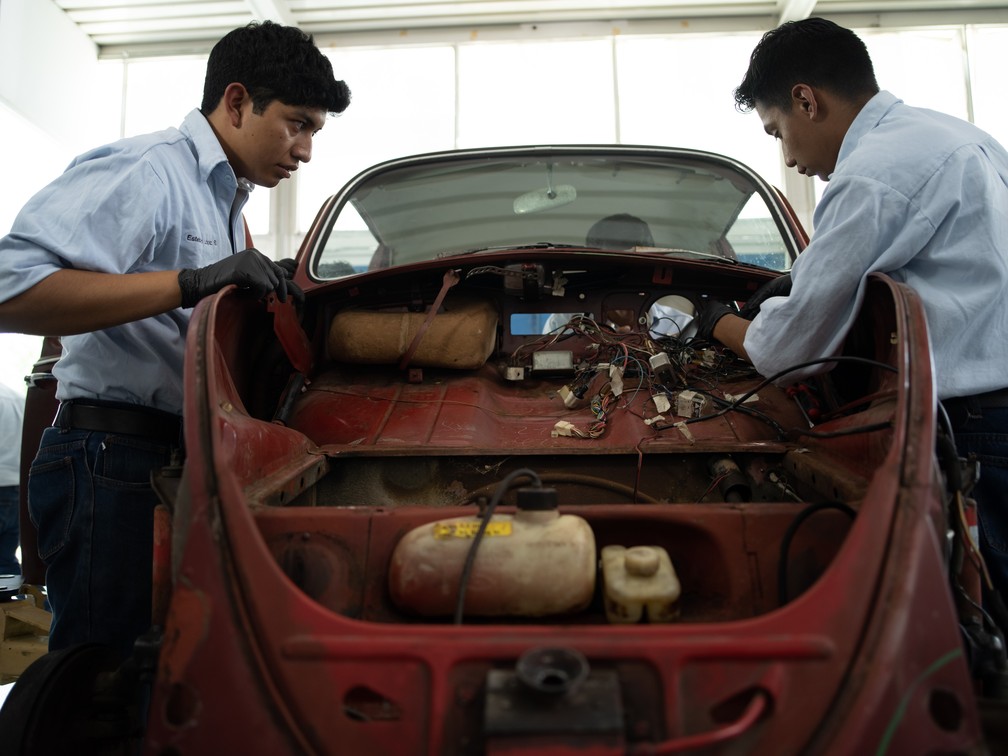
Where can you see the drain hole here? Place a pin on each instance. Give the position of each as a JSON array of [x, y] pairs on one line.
[[945, 709]]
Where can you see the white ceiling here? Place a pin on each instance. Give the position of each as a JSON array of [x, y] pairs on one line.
[[146, 27]]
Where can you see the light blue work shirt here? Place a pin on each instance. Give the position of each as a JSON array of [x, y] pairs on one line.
[[923, 197], [161, 201]]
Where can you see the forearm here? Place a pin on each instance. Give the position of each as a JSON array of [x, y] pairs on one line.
[[731, 330], [78, 301]]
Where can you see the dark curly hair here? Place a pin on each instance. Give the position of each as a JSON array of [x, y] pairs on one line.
[[812, 51], [273, 62]]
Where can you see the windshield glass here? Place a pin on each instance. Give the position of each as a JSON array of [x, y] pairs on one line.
[[681, 205]]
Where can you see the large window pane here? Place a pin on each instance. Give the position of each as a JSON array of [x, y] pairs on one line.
[[671, 90], [48, 159], [162, 92], [925, 68], [678, 91], [402, 102], [987, 47], [536, 93]]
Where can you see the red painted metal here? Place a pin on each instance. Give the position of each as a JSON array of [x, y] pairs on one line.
[[281, 637]]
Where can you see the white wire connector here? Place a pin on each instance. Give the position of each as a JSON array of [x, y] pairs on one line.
[[661, 366], [690, 404], [616, 379], [563, 428], [662, 403], [569, 397]]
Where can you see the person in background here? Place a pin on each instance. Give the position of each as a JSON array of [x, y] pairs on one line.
[[11, 421], [913, 193], [620, 231], [623, 231], [112, 256]]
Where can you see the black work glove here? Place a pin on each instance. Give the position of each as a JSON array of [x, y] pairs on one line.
[[708, 318], [778, 287], [289, 266], [250, 270]]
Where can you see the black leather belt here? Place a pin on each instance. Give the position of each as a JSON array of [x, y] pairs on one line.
[[963, 408], [120, 418]]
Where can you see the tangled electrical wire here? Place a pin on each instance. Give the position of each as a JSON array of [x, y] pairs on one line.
[[659, 368]]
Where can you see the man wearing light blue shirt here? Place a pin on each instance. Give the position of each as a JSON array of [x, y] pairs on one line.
[[913, 193], [112, 256]]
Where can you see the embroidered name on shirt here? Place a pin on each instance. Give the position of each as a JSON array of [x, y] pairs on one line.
[[201, 240]]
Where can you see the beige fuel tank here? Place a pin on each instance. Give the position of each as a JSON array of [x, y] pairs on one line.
[[534, 563]]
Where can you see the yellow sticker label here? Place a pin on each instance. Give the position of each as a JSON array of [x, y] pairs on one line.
[[468, 529]]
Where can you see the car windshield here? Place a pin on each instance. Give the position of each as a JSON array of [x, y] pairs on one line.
[[679, 203]]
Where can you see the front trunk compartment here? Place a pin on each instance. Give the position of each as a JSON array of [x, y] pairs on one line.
[[783, 537]]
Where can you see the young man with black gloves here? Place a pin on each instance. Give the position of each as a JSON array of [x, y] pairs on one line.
[[913, 193], [111, 256]]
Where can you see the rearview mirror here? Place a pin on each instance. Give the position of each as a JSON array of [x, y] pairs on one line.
[[544, 199]]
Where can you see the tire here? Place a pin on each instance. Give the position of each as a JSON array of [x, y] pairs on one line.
[[55, 706]]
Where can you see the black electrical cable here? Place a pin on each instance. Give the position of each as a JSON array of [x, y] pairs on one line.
[[767, 381], [735, 404], [592, 481], [949, 459], [752, 411], [789, 535], [844, 431], [947, 450], [946, 421], [502, 489]]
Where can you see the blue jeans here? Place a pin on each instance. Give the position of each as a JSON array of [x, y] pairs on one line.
[[89, 496], [10, 530], [986, 436]]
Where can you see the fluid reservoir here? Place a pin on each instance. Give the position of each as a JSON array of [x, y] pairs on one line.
[[534, 563], [638, 580]]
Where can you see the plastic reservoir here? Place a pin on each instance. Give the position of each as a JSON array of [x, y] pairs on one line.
[[638, 581], [534, 563]]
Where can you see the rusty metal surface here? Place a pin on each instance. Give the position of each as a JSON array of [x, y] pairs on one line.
[[291, 596]]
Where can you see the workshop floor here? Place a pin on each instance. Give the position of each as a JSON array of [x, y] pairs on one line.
[[5, 689]]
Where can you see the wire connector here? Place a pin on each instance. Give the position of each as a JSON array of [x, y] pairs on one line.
[[563, 428], [690, 404], [661, 403], [616, 379], [568, 396], [661, 366]]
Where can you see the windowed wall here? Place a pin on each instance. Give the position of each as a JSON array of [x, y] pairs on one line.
[[666, 89], [642, 89], [673, 89], [44, 158]]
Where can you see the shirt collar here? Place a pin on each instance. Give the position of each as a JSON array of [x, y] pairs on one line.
[[871, 114], [209, 153]]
